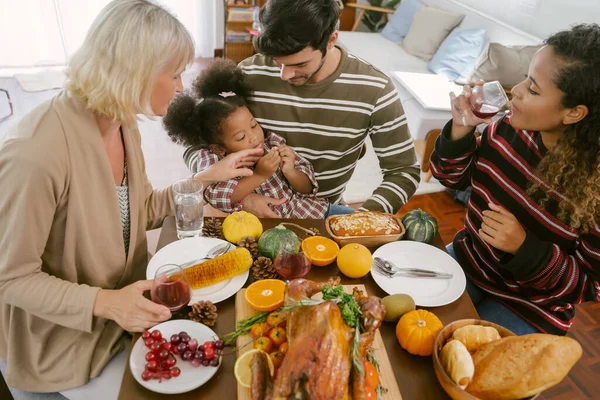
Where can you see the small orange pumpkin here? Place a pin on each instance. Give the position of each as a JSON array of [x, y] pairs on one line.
[[417, 330]]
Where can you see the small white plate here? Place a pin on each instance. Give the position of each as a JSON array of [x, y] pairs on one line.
[[191, 377], [189, 249], [426, 292]]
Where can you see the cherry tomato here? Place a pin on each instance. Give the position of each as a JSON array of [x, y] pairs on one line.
[[283, 347], [276, 318], [277, 358], [264, 344], [371, 375], [277, 336], [258, 330]]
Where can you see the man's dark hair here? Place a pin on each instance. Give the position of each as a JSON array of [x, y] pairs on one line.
[[289, 26]]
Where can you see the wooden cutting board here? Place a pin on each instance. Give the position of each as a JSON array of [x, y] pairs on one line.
[[386, 374]]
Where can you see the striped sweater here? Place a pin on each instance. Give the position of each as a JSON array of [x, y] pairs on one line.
[[328, 122], [557, 266]]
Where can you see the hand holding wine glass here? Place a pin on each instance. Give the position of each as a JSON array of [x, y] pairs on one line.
[[170, 288]]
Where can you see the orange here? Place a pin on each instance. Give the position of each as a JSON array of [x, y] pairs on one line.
[[320, 250], [266, 295], [354, 260]]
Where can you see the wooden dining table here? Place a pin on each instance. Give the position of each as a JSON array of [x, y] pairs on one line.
[[414, 374]]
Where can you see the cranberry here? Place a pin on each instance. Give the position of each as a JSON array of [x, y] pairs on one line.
[[175, 372], [214, 362], [150, 356], [148, 342], [146, 375], [156, 335], [175, 339], [219, 344], [145, 335]]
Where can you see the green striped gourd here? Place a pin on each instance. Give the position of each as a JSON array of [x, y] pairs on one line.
[[420, 226]]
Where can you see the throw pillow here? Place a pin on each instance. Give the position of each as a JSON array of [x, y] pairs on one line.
[[506, 64], [429, 29], [458, 53], [399, 24]]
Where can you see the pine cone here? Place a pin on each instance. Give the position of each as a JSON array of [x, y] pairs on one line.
[[213, 228], [316, 232], [263, 268], [204, 312], [251, 244]]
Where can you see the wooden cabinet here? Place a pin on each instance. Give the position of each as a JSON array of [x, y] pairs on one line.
[[238, 25]]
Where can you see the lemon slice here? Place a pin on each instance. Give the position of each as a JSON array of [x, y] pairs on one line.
[[242, 370]]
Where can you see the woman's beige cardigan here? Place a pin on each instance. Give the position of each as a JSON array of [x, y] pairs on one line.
[[61, 241]]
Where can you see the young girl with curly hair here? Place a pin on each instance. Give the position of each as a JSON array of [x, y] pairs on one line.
[[531, 242], [213, 121]]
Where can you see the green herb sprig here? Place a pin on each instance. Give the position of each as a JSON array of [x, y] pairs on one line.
[[244, 326], [348, 306]]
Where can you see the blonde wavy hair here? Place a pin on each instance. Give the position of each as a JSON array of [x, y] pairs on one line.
[[128, 46], [572, 167]]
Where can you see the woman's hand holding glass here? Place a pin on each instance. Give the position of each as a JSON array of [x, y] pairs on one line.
[[129, 308], [463, 119]]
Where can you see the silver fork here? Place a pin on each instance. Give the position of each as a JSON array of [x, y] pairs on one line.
[[388, 269], [214, 252]]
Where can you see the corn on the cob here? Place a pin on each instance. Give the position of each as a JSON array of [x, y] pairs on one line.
[[219, 269]]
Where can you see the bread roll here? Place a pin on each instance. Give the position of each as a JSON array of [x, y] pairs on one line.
[[473, 336], [457, 362], [364, 223], [516, 367]]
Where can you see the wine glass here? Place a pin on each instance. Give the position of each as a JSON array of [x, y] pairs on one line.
[[488, 99], [291, 265], [170, 287]]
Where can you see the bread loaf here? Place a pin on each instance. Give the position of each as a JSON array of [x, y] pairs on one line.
[[457, 362], [516, 367], [364, 223], [473, 336]]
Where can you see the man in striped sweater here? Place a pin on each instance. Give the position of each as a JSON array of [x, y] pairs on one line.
[[325, 103]]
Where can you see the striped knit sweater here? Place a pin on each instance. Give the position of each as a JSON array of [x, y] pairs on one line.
[[328, 122], [557, 266]]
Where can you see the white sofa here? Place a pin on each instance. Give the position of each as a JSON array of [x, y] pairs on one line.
[[389, 56]]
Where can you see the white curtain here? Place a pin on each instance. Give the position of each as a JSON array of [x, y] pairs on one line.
[[46, 32]]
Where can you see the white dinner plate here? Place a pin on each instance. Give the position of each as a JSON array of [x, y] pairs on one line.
[[191, 377], [189, 249], [426, 292]]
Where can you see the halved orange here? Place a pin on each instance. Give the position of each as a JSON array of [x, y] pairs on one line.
[[266, 295], [320, 250]]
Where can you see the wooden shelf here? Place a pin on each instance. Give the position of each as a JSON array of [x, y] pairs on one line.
[[238, 51]]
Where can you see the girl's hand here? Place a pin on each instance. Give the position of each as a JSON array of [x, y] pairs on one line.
[[287, 158], [268, 164], [501, 229], [129, 308], [463, 119], [231, 166]]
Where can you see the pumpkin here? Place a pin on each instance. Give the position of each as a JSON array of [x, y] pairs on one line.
[[417, 330], [275, 239], [241, 224], [420, 226]]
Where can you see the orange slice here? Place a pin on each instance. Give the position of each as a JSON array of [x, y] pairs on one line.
[[320, 250], [266, 295]]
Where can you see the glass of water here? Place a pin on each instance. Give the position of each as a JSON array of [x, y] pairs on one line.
[[188, 207]]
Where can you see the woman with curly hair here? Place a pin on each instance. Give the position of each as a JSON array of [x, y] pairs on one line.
[[531, 242], [214, 121]]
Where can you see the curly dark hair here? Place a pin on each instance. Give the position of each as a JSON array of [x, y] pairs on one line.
[[289, 26], [572, 166], [195, 117]]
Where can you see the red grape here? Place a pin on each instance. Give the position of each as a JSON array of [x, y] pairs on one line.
[[155, 347], [171, 361], [156, 335], [175, 372], [208, 345], [145, 334], [214, 362], [219, 344], [148, 342], [181, 348], [198, 355], [184, 339], [187, 355], [192, 345], [166, 375], [152, 365], [209, 354], [195, 363], [167, 346], [150, 356], [206, 363], [163, 354], [175, 339], [147, 375], [162, 341], [183, 334]]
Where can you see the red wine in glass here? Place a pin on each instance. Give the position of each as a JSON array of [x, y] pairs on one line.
[[291, 265], [484, 111], [488, 99], [170, 288]]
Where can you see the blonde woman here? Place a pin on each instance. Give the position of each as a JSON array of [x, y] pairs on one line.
[[73, 255]]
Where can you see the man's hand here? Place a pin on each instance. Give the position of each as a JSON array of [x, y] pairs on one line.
[[268, 164], [501, 229], [259, 205], [287, 158]]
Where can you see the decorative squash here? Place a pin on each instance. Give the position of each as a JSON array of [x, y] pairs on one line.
[[420, 226], [241, 224], [276, 239], [417, 330]]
